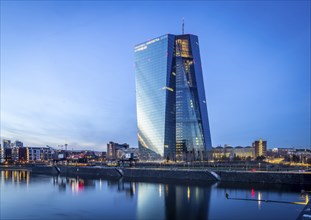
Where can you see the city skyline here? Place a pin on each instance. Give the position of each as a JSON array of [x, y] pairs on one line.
[[67, 72]]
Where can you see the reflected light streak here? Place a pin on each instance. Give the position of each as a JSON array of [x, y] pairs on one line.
[[259, 198], [16, 176], [188, 193], [6, 175], [100, 184], [12, 178], [197, 193], [2, 178], [27, 179], [77, 186], [134, 188], [160, 190], [253, 193]]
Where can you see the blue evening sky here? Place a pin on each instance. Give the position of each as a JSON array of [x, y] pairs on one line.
[[67, 73]]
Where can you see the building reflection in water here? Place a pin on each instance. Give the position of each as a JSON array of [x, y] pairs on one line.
[[150, 201], [128, 187], [180, 201], [187, 202], [16, 177], [76, 184]]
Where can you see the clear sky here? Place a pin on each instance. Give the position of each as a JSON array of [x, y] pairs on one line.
[[67, 71]]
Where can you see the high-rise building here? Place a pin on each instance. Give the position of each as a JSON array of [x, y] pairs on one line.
[[6, 143], [5, 150], [1, 154], [260, 148], [171, 105], [18, 144]]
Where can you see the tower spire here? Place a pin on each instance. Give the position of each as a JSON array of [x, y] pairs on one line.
[[183, 25]]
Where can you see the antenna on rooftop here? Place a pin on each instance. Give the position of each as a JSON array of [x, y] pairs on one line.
[[183, 25]]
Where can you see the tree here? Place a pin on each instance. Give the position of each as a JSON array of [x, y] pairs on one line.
[[296, 158], [260, 158]]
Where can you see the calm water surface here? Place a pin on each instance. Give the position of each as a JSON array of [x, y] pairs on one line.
[[28, 196]]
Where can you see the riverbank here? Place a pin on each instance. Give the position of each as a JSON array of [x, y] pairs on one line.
[[172, 173]]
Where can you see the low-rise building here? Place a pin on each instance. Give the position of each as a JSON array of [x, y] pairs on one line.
[[301, 155], [244, 152], [123, 152], [113, 148], [228, 152], [218, 153]]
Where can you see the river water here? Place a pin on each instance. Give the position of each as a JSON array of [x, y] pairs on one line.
[[29, 196]]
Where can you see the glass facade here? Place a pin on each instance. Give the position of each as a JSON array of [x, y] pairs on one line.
[[171, 105]]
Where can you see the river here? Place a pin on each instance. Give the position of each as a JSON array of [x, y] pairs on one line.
[[28, 196]]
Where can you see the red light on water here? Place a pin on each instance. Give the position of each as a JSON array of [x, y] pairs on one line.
[[80, 186], [253, 193]]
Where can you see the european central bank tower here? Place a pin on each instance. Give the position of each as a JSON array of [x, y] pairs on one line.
[[171, 105]]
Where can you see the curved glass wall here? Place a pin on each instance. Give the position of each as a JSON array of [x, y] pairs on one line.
[[151, 89]]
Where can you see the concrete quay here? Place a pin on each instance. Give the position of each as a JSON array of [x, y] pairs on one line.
[[173, 174], [180, 174], [293, 178]]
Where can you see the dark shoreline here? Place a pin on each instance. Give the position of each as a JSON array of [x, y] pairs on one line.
[[203, 175]]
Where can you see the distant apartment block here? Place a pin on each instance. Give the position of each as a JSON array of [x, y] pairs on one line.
[[260, 148], [16, 152]]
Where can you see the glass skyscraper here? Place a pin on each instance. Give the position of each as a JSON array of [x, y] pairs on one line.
[[171, 105]]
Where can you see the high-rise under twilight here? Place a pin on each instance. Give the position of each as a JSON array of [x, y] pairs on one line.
[[260, 148], [171, 105]]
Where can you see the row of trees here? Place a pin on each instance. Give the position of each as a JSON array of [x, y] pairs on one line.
[[297, 159]]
